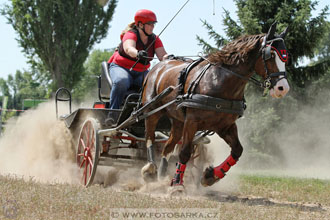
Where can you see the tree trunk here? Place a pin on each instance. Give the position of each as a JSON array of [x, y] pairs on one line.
[[59, 82]]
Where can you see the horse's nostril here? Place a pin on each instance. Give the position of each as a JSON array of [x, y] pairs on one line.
[[280, 88]]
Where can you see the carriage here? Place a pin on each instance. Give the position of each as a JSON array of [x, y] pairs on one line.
[[121, 144], [199, 98]]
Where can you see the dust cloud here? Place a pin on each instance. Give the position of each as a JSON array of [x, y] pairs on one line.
[[129, 179], [304, 145], [36, 145]]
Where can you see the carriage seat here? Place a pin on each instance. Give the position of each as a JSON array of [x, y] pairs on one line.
[[105, 84]]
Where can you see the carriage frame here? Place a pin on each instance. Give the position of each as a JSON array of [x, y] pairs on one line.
[[123, 144]]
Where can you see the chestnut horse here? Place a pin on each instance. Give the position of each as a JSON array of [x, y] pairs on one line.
[[212, 98]]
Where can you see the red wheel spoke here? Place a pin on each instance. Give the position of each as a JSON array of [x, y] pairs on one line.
[[85, 173], [90, 169], [82, 142], [82, 163], [86, 135], [92, 145], [90, 161]]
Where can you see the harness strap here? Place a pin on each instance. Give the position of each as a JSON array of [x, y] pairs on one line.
[[184, 74], [251, 79], [270, 82], [206, 102], [193, 85], [203, 101], [233, 73]]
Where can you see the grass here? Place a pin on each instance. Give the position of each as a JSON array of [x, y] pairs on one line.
[[288, 189], [64, 201], [32, 200]]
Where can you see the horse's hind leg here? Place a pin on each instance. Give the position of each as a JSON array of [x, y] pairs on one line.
[[189, 131], [212, 175], [149, 171], [175, 136]]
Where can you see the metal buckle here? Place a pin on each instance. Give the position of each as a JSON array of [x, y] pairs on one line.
[[267, 83]]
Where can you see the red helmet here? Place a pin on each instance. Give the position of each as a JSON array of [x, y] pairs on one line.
[[144, 16]]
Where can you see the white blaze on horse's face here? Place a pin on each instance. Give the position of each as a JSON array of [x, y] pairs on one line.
[[282, 86]]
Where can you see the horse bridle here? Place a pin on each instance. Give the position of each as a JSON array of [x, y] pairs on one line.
[[270, 80]]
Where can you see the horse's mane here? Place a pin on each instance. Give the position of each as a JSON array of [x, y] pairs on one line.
[[236, 51]]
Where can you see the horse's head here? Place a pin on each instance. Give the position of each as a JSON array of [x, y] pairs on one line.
[[271, 64]]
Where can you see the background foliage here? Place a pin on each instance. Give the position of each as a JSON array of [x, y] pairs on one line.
[[59, 33], [64, 46], [87, 86], [308, 37]]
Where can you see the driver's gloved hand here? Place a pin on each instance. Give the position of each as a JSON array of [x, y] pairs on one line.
[[142, 55]]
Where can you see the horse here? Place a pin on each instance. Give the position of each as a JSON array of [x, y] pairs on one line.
[[210, 96]]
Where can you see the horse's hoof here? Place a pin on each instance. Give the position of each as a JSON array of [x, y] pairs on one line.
[[208, 178], [149, 172], [177, 190]]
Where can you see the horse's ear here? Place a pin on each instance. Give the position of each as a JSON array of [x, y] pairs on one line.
[[283, 34], [271, 31]]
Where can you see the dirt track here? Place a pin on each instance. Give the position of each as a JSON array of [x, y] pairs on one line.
[[37, 146], [257, 201]]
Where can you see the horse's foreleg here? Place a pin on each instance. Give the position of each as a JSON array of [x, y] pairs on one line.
[[149, 171], [175, 135], [189, 131], [214, 174]]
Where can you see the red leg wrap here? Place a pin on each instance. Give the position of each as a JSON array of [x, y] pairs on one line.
[[220, 171], [178, 177]]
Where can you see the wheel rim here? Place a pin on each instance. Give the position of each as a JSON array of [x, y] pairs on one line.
[[86, 152]]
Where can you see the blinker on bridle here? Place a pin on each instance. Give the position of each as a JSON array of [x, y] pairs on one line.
[[266, 49]]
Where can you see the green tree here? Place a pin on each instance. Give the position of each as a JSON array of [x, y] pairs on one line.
[[26, 85], [88, 85], [23, 85], [321, 86], [256, 16], [60, 33], [4, 89], [323, 49]]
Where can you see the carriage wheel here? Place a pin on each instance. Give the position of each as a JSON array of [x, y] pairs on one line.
[[88, 150]]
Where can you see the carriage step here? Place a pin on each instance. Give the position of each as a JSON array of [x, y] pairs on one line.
[[112, 160], [106, 156]]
